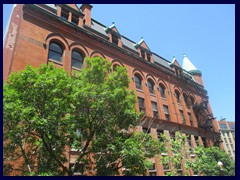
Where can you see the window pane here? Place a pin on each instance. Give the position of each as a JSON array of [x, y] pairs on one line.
[[138, 82], [55, 56], [76, 64], [55, 47], [162, 91], [165, 109], [154, 105], [151, 87], [77, 55]]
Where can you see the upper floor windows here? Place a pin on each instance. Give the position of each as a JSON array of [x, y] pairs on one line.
[[177, 94], [151, 86], [162, 91], [149, 57], [182, 116], [64, 14], [155, 109], [75, 19], [185, 100], [141, 105], [166, 112], [55, 52], [143, 54], [138, 81], [114, 39], [77, 59], [192, 100]]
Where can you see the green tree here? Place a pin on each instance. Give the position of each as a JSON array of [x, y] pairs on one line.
[[47, 112], [206, 162]]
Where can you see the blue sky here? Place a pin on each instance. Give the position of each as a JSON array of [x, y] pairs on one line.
[[206, 33]]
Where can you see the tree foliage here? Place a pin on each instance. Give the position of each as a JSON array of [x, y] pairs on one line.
[[206, 162], [47, 112]]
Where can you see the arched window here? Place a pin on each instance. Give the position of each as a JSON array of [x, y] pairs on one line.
[[192, 100], [185, 99], [138, 81], [177, 94], [162, 91], [77, 59], [151, 87], [115, 66], [55, 52]]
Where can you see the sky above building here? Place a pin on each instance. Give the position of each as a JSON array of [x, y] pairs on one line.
[[205, 33]]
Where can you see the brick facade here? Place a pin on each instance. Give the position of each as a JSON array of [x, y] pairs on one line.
[[33, 27]]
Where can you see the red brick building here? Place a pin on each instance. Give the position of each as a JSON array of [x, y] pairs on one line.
[[172, 97]]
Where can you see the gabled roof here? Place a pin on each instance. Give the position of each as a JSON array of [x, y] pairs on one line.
[[112, 28], [143, 44], [175, 62]]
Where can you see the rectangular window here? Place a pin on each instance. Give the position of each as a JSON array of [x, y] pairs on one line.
[[166, 112], [223, 126], [159, 134], [166, 166], [182, 116], [115, 39], [196, 140], [149, 57], [172, 135], [155, 110], [189, 142], [204, 142], [146, 130], [141, 105], [75, 19], [64, 14], [190, 119], [143, 54], [152, 167], [232, 126]]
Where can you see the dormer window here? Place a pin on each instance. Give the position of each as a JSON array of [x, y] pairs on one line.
[[64, 14], [114, 39], [143, 54], [75, 19], [149, 57]]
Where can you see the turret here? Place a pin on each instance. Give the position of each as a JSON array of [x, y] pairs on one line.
[[189, 67]]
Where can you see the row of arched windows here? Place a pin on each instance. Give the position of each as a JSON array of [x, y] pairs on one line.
[[56, 52], [138, 84], [162, 90]]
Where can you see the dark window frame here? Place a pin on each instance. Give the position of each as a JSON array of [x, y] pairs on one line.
[[138, 82], [81, 55], [162, 90], [150, 87], [56, 51]]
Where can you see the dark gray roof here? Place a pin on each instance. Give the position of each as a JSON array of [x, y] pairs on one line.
[[126, 42], [51, 6], [98, 27], [161, 61]]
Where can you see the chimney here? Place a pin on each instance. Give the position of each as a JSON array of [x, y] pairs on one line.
[[86, 9]]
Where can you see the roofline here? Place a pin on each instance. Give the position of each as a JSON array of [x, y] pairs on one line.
[[161, 67]]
